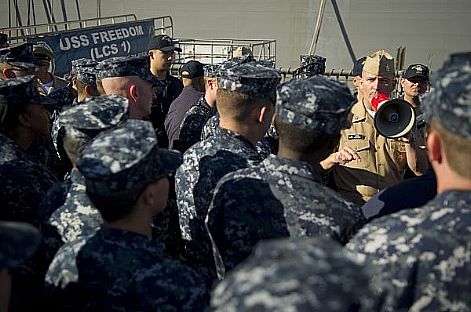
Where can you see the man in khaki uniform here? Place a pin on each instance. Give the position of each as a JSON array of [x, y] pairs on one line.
[[366, 161]]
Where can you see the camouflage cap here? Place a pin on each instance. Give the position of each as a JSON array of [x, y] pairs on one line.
[[19, 242], [22, 90], [310, 65], [95, 114], [251, 79], [380, 63], [85, 70], [316, 104], [19, 55], [125, 158], [312, 274], [234, 61], [449, 102], [127, 66], [211, 70], [63, 97]]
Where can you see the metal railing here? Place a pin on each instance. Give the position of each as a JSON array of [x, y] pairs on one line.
[[20, 33], [214, 51], [163, 25]]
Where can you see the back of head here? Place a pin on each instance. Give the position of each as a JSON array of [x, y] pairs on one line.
[[311, 110], [126, 66], [242, 85], [84, 72], [86, 120], [448, 108], [120, 162], [192, 73]]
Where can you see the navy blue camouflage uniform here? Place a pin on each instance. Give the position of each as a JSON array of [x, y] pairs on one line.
[[284, 197], [193, 123], [76, 216], [421, 256], [206, 162], [117, 269], [312, 274], [24, 181]]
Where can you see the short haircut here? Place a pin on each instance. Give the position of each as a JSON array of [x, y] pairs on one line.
[[116, 206], [99, 88], [457, 150], [302, 141], [236, 105], [81, 87]]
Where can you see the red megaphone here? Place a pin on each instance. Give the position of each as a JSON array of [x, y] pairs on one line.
[[378, 99]]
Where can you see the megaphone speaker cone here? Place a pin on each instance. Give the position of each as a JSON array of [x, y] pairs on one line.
[[394, 118]]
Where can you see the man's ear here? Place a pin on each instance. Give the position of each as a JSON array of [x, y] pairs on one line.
[[151, 54], [88, 90], [24, 119], [435, 147], [132, 91], [8, 73]]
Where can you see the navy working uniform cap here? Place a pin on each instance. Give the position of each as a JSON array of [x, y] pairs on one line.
[[19, 242], [211, 70], [95, 115], [310, 65], [251, 79], [358, 66], [22, 90], [192, 69], [416, 70], [127, 66], [316, 104], [125, 158], [449, 102], [19, 55], [85, 70], [163, 43]]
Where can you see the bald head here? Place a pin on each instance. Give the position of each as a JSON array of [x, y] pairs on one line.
[[137, 91]]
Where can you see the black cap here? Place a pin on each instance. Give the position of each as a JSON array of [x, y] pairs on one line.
[[192, 69], [163, 43], [416, 70], [358, 66]]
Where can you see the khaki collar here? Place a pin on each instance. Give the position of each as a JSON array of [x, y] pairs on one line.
[[359, 112]]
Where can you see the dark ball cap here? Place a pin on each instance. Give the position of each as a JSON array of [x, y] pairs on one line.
[[416, 70], [163, 43], [358, 66], [192, 69]]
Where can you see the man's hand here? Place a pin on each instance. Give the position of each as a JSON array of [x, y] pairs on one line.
[[341, 157]]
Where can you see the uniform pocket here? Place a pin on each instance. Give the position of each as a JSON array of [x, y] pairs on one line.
[[363, 149]]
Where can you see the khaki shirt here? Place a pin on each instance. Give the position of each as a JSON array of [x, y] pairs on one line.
[[382, 161]]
